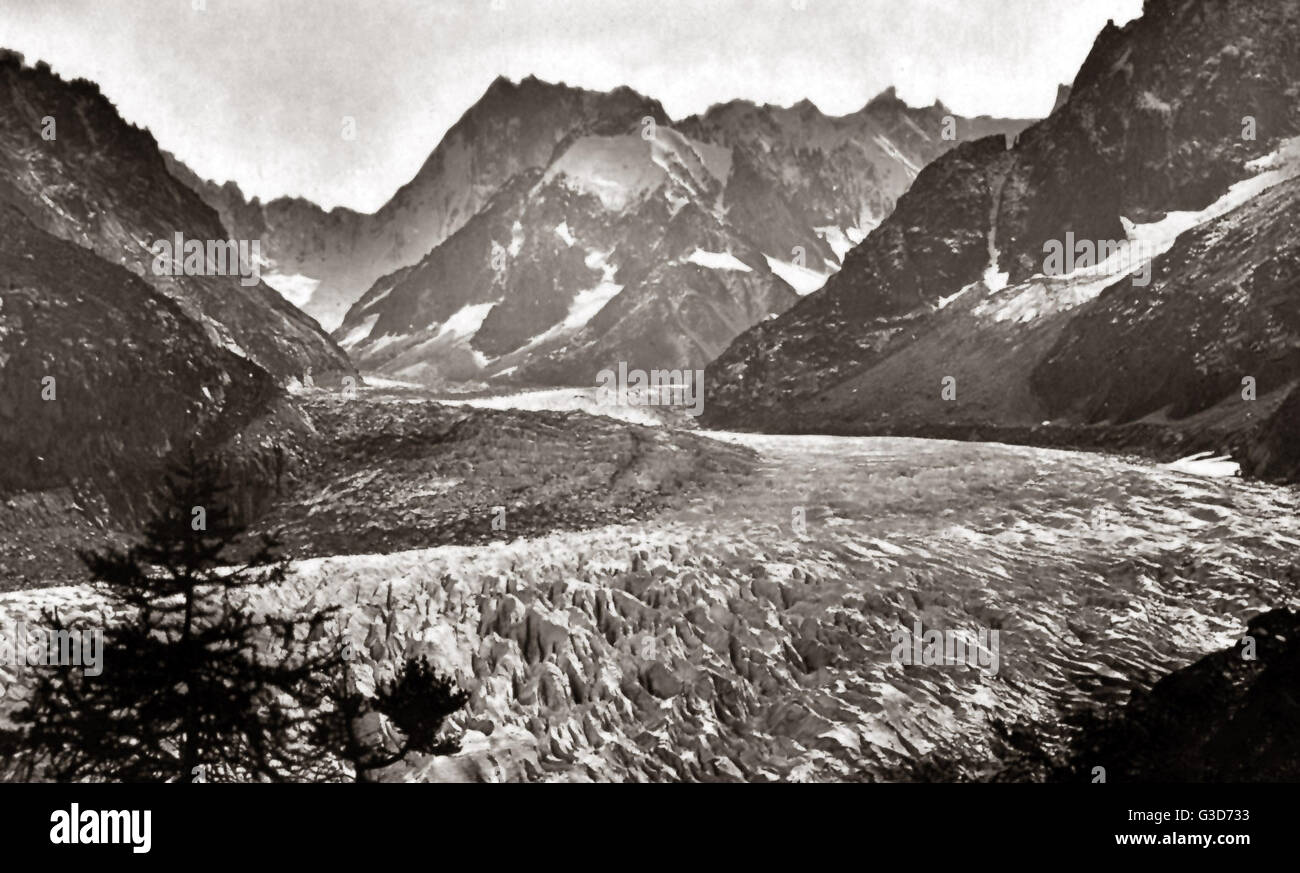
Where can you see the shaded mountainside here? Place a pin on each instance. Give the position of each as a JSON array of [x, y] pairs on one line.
[[102, 379], [108, 371], [133, 377], [103, 185], [1148, 145], [653, 243]]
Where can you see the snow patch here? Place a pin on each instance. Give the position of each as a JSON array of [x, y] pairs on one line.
[[616, 169], [718, 261], [801, 279], [837, 239], [944, 301], [994, 280], [466, 321], [360, 332], [888, 147], [380, 296], [373, 381]]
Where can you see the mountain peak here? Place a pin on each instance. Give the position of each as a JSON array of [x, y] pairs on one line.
[[886, 99], [1062, 95]]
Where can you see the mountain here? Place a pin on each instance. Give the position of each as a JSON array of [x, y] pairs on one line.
[[130, 376], [324, 261], [803, 178], [103, 380], [75, 169], [1175, 143], [649, 242], [111, 369], [619, 250]]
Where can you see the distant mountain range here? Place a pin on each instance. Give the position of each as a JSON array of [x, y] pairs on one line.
[[1176, 142], [555, 231]]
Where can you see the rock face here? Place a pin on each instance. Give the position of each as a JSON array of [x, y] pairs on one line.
[[1220, 308], [803, 178], [103, 185], [648, 242], [1179, 123]]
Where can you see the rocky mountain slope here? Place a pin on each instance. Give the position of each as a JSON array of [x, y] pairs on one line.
[[620, 250], [73, 167], [651, 243], [102, 378], [801, 178], [108, 369], [1175, 142]]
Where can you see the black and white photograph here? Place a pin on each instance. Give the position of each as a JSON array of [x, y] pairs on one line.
[[603, 391]]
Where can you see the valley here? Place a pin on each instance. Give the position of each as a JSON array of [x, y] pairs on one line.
[[741, 629]]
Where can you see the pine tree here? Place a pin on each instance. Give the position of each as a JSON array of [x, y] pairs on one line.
[[197, 683], [415, 702]]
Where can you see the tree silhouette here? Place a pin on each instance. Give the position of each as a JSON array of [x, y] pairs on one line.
[[198, 682], [415, 702]]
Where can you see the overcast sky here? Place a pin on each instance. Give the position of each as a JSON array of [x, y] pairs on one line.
[[256, 90]]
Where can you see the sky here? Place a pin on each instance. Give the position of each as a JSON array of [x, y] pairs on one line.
[[258, 90]]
